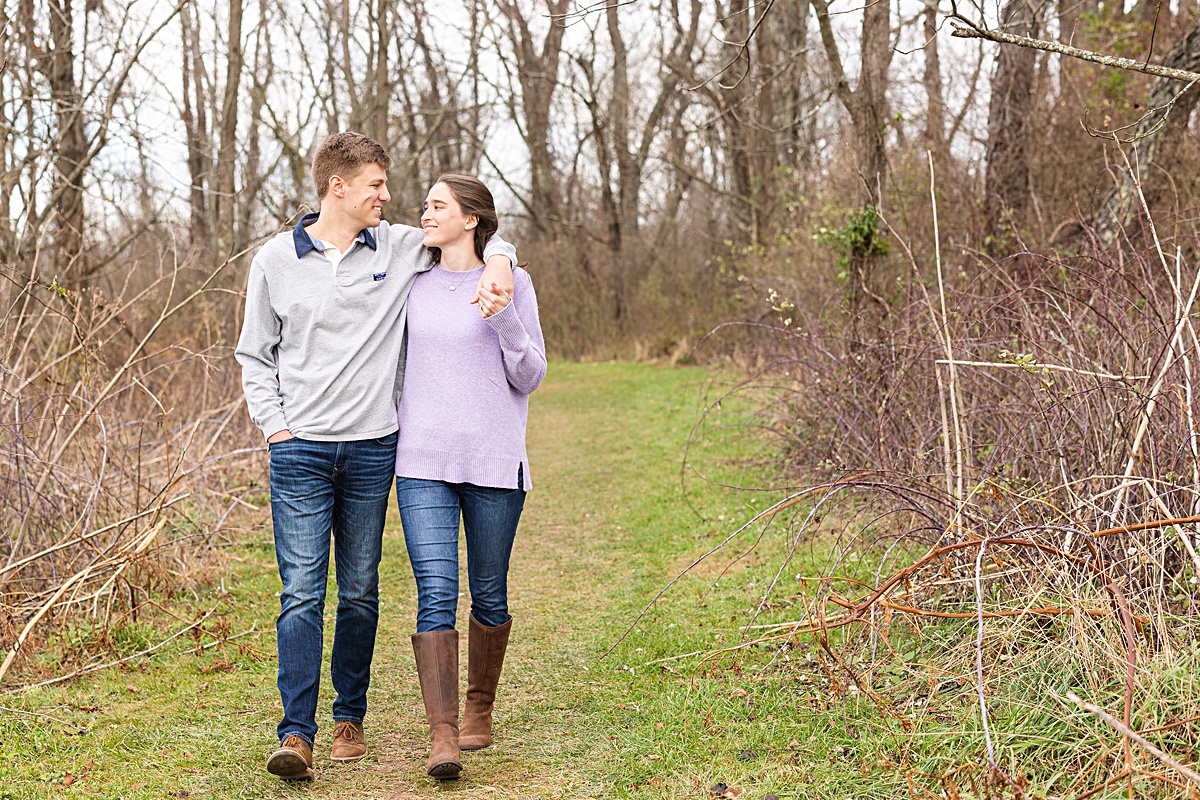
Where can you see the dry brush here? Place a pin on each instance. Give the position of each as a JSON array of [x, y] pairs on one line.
[[998, 464], [123, 457]]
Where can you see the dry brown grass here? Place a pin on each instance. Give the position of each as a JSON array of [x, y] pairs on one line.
[[123, 449]]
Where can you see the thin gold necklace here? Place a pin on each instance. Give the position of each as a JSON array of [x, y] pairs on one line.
[[466, 274]]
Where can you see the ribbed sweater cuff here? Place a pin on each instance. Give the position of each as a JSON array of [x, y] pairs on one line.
[[273, 425], [507, 325]]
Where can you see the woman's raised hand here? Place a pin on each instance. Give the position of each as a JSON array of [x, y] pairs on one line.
[[492, 299]]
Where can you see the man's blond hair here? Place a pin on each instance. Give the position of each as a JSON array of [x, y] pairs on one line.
[[345, 154]]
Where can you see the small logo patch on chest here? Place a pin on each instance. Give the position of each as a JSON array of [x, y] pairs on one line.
[[378, 276]]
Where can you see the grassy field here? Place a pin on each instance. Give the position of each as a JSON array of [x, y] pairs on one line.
[[608, 524]]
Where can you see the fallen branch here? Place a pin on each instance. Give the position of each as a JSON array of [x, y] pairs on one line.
[[98, 667], [1132, 735], [38, 714]]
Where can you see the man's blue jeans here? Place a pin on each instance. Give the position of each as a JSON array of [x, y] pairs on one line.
[[319, 491], [429, 511]]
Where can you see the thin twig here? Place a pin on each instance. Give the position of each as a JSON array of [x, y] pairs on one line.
[[1141, 741]]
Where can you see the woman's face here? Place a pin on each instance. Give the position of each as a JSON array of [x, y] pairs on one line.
[[443, 221]]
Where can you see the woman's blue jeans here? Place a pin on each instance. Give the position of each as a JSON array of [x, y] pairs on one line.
[[322, 491], [430, 511]]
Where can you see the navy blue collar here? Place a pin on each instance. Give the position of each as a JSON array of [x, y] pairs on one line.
[[305, 243]]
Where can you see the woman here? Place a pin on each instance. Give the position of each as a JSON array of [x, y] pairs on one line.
[[461, 452]]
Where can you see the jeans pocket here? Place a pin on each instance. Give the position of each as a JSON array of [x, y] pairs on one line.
[[389, 440]]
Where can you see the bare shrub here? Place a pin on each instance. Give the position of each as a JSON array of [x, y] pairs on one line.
[[998, 463], [651, 301], [123, 448]]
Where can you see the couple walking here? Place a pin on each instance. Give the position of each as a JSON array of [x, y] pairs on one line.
[[368, 351]]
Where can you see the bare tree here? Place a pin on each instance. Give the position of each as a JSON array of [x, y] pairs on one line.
[[9, 170], [1155, 139], [71, 145], [931, 79], [867, 102], [796, 103], [226, 165], [83, 113], [632, 148], [1156, 135], [537, 61], [438, 130], [194, 114], [1007, 181], [256, 173]]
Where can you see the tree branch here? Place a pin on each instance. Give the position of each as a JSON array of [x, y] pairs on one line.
[[840, 84], [965, 29]]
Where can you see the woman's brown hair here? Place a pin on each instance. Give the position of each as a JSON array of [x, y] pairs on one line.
[[473, 198]]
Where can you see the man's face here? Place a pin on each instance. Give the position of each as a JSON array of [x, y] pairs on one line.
[[365, 194]]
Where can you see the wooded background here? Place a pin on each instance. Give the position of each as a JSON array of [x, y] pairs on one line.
[[635, 147], [954, 279], [767, 171]]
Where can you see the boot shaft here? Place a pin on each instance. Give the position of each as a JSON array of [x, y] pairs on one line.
[[436, 654], [485, 659]]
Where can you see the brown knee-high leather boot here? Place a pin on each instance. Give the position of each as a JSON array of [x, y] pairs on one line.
[[485, 659], [437, 668]]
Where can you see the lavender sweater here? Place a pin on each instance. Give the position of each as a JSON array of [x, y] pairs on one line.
[[467, 382]]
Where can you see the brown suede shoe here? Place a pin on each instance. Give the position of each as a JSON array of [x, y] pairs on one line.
[[292, 761], [349, 743]]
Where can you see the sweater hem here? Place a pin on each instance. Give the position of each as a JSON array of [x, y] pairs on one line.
[[349, 436], [499, 472]]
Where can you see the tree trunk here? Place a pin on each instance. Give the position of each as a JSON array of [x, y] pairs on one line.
[[378, 130], [348, 31], [194, 124], [867, 103], [793, 107], [71, 145], [870, 108], [8, 159], [609, 205], [256, 176], [537, 73], [227, 157], [762, 127], [734, 88], [1007, 179], [474, 130], [28, 170], [935, 104], [628, 175]]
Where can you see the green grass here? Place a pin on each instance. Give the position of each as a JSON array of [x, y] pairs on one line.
[[607, 525]]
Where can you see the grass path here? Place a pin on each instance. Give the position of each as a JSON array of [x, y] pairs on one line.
[[604, 527]]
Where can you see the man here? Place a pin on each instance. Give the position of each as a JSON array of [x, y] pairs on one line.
[[321, 351]]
